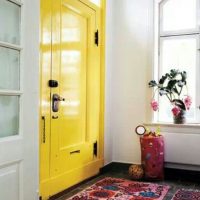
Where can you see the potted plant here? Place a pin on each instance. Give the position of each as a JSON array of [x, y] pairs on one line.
[[171, 86]]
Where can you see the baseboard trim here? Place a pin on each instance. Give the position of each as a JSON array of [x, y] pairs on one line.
[[171, 173], [182, 174], [182, 166]]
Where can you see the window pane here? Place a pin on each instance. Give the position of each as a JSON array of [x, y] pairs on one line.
[[179, 53], [9, 118], [96, 2], [9, 22], [179, 15], [9, 67]]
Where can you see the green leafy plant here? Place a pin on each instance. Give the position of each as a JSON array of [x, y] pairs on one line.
[[171, 85]]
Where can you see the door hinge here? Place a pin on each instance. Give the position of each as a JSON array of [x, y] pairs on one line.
[[95, 147], [96, 38]]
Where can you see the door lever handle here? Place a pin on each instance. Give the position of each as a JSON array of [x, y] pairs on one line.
[[55, 102]]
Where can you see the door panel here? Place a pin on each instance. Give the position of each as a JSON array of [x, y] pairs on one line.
[[74, 124], [73, 144], [73, 78], [9, 182], [19, 78]]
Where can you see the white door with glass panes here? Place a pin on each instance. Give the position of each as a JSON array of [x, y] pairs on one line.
[[18, 99], [178, 47]]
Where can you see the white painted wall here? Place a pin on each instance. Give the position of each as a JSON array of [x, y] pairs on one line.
[[129, 31], [129, 67]]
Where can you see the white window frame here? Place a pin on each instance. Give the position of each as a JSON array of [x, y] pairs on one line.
[[159, 34]]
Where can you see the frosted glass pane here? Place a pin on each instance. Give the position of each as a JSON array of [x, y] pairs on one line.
[[9, 117], [9, 22], [179, 53], [179, 15], [9, 68], [96, 2]]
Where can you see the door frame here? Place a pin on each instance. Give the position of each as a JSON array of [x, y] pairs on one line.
[[19, 153], [44, 133]]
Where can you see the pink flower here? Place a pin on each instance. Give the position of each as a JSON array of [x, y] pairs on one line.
[[176, 110], [154, 105], [188, 102]]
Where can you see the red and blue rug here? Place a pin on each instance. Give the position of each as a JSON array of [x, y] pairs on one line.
[[121, 189], [184, 194]]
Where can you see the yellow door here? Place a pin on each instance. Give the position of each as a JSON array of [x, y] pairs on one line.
[[71, 95]]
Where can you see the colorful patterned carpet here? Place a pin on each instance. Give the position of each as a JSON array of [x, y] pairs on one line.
[[187, 195], [121, 189]]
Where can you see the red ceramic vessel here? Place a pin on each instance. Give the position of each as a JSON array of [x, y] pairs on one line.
[[152, 152]]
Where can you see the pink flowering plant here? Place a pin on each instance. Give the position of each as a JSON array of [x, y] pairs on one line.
[[171, 86]]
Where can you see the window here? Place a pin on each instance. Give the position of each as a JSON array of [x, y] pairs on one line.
[[177, 47], [10, 56]]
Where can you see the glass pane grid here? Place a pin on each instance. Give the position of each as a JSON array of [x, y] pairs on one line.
[[10, 69], [10, 22], [178, 15], [179, 44], [10, 59], [9, 118], [180, 53]]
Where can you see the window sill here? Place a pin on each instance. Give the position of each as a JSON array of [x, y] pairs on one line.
[[172, 125], [192, 128]]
